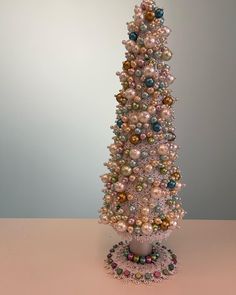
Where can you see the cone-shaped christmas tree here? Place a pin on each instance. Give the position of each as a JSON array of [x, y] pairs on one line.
[[142, 187]]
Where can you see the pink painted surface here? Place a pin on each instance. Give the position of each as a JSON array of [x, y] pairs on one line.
[[65, 257]]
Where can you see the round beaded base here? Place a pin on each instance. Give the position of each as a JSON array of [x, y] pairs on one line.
[[132, 271]]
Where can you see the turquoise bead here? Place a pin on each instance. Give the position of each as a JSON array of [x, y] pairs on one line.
[[171, 184], [159, 13], [156, 127], [119, 123], [133, 36], [149, 82]]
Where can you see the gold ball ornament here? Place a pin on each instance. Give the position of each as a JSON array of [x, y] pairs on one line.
[[122, 198], [176, 176], [166, 55], [168, 100], [126, 170], [134, 139], [165, 224], [126, 65], [121, 99], [150, 16]]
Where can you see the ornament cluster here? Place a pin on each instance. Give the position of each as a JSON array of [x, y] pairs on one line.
[[142, 186]]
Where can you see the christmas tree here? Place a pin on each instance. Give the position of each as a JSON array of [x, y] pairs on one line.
[[141, 200]]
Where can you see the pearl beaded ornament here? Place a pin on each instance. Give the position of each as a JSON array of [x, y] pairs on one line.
[[142, 185]]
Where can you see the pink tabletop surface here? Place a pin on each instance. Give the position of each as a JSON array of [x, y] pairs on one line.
[[65, 257]]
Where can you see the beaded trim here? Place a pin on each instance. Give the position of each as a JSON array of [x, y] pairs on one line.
[[129, 271], [152, 258]]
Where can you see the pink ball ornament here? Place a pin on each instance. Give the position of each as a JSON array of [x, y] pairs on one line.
[[149, 71], [165, 114], [130, 93], [163, 150], [143, 136], [150, 42], [144, 117], [135, 154], [131, 221], [165, 31], [139, 18], [178, 186], [156, 193], [140, 63], [119, 187], [170, 79]]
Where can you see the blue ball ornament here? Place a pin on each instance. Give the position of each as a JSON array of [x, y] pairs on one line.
[[171, 184], [119, 123], [156, 127], [133, 36], [159, 13], [149, 82]]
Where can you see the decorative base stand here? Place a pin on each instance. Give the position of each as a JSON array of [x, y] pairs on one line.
[[149, 264]]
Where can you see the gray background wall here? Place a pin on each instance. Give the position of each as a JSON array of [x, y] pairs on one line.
[[58, 60]]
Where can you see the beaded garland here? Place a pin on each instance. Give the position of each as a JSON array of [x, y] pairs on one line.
[[118, 265], [152, 258]]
